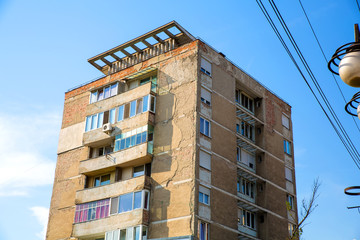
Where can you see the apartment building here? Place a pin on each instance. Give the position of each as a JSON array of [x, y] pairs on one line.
[[173, 142]]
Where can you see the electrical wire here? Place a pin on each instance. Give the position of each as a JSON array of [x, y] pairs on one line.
[[357, 3], [313, 78], [350, 149], [325, 58]]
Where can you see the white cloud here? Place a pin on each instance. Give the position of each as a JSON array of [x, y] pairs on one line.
[[24, 143], [41, 214]]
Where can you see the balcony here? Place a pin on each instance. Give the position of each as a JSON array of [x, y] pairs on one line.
[[114, 189], [136, 155], [97, 136], [246, 233], [118, 221]]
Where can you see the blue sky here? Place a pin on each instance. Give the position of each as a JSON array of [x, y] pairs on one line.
[[44, 47]]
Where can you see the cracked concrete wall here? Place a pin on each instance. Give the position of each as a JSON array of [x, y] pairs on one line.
[[225, 78], [174, 158]]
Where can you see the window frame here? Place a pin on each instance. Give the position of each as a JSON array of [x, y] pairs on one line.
[[248, 219], [203, 127], [290, 200], [100, 180], [203, 98], [246, 187], [204, 63], [287, 147], [95, 93], [206, 235]]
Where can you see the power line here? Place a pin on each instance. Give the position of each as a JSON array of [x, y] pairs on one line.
[[357, 3], [313, 78], [325, 58], [352, 152]]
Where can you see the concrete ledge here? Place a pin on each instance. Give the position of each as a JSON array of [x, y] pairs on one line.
[[129, 157], [112, 190], [100, 226]]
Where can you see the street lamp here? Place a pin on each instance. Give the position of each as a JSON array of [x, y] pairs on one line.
[[347, 59]]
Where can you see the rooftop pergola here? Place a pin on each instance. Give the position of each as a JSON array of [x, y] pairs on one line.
[[151, 44]]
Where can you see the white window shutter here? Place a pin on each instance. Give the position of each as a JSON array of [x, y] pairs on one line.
[[205, 160], [288, 174], [286, 121], [205, 94], [206, 65]]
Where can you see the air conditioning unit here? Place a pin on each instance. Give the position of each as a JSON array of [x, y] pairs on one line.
[[107, 128]]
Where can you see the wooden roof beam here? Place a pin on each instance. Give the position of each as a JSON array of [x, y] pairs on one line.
[[106, 62], [125, 52], [115, 57], [158, 39], [136, 48], [96, 65], [147, 44], [169, 34]]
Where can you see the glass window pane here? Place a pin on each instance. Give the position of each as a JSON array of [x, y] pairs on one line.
[[138, 138], [105, 180], [122, 144], [201, 197], [114, 89], [143, 136], [138, 171], [133, 138], [139, 106], [206, 199], [121, 113], [94, 121], [137, 200], [127, 142], [88, 123], [146, 103], [202, 125], [137, 233], [93, 97], [100, 120], [125, 203], [112, 115], [97, 182], [107, 92], [132, 108], [207, 128]]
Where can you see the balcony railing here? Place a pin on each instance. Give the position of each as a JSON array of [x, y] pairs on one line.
[[135, 155], [113, 189], [137, 57]]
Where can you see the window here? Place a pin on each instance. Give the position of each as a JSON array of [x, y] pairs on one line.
[[245, 157], [237, 96], [99, 119], [138, 106], [205, 96], [247, 130], [204, 195], [244, 100], [246, 187], [102, 180], [288, 174], [130, 201], [290, 202], [205, 160], [285, 121], [204, 127], [287, 147], [130, 233], [138, 171], [92, 210], [206, 67], [291, 228], [132, 138], [103, 93], [247, 219], [203, 231]]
